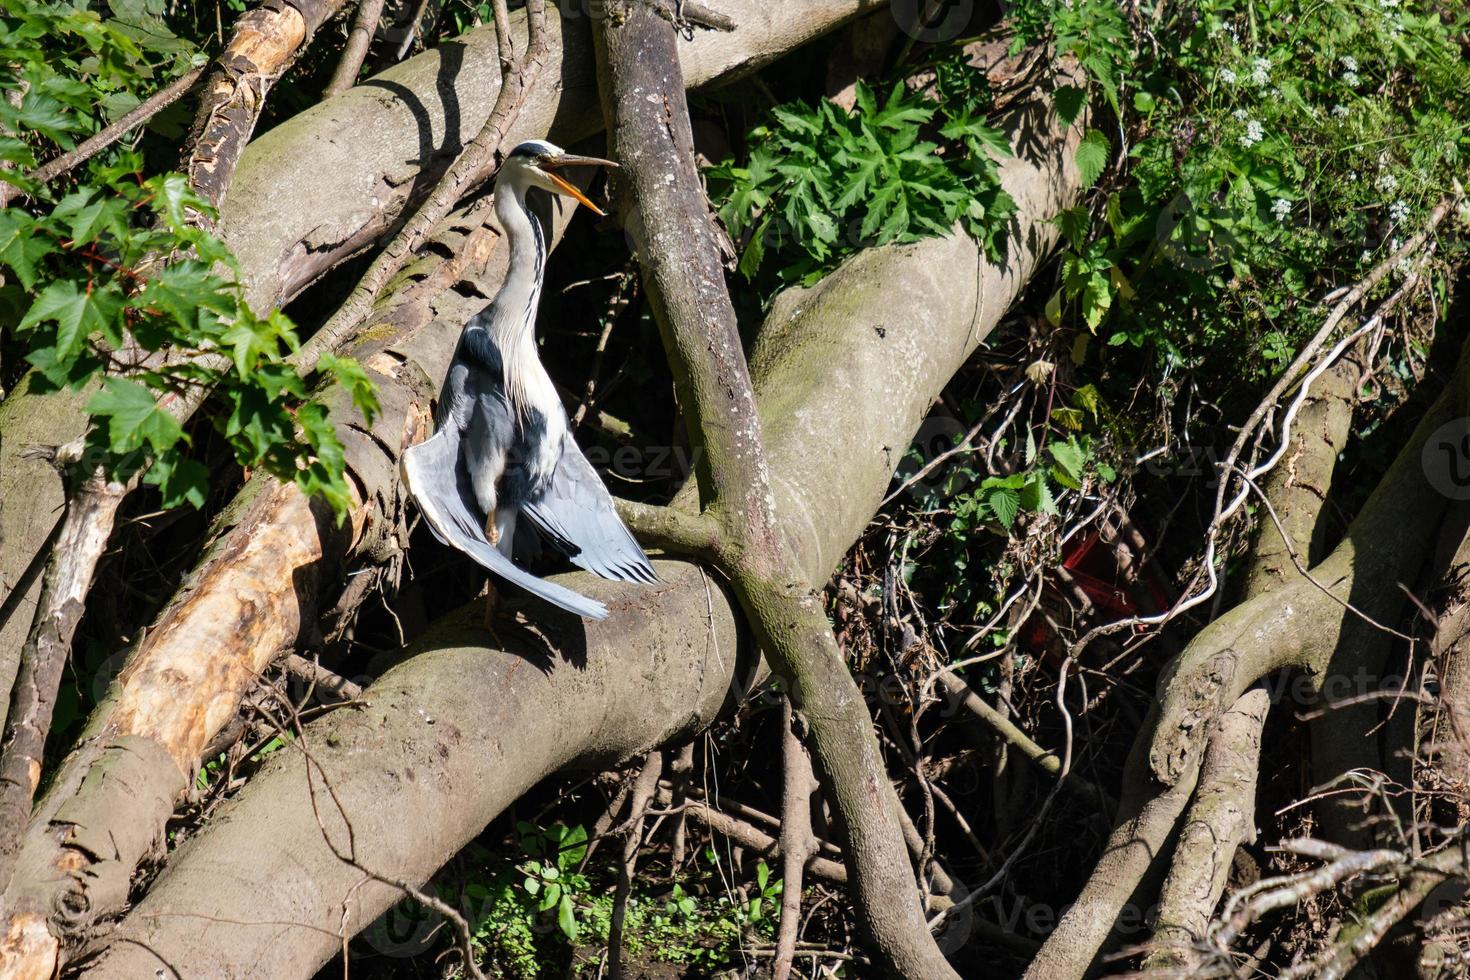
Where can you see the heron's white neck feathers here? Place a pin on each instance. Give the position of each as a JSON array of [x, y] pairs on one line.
[[513, 325]]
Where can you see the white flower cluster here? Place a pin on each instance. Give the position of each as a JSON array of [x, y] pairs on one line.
[[1398, 211], [1227, 76], [1253, 134], [1349, 62], [1387, 183], [1350, 78], [1339, 111], [1281, 209], [1260, 72]]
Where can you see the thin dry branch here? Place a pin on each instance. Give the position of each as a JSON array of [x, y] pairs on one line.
[[645, 787], [142, 112], [798, 843], [359, 40]]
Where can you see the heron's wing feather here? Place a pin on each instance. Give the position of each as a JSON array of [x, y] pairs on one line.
[[576, 514], [433, 473]]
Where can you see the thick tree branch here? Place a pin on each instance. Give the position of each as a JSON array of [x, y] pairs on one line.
[[287, 225], [1151, 812], [78, 548], [664, 209], [265, 41], [1222, 816]]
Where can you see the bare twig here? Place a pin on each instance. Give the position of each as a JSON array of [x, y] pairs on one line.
[[359, 40], [90, 147], [798, 844]]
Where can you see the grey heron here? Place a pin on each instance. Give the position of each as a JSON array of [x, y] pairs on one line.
[[502, 448]]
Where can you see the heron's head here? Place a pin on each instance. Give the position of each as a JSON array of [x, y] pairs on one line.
[[537, 163]]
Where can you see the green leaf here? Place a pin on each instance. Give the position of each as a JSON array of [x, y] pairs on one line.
[[1004, 504], [566, 919], [1069, 101], [1092, 156], [180, 481], [1036, 495], [1074, 223], [1069, 457], [77, 313], [173, 198], [131, 418], [22, 245], [89, 212]]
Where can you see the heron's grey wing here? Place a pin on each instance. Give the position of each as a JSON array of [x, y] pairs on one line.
[[434, 474], [576, 514]]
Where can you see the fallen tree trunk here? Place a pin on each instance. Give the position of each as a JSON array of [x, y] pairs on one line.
[[818, 349], [287, 225]]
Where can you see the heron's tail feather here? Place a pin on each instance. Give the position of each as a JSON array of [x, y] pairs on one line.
[[431, 471]]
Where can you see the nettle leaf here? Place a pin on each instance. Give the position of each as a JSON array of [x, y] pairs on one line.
[[1074, 224], [1069, 456], [1069, 100], [76, 312], [1036, 495], [1092, 156], [1005, 504], [131, 419]]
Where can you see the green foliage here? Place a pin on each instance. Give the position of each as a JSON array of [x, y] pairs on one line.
[[821, 183], [112, 278], [1315, 138]]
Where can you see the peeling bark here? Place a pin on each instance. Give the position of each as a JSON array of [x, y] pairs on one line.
[[265, 41]]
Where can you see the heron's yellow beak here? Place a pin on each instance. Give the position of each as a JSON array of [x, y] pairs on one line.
[[550, 168]]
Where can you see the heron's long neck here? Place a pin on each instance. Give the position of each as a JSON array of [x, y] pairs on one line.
[[513, 323]]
